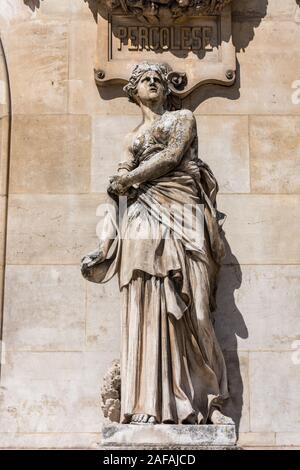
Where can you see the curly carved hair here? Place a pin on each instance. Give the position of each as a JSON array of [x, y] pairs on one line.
[[139, 70]]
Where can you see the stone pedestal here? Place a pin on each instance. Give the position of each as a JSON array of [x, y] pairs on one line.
[[168, 436]]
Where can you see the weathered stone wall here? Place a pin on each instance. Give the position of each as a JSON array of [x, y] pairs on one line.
[[61, 333]]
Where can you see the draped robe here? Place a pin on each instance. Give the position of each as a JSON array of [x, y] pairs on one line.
[[172, 366]]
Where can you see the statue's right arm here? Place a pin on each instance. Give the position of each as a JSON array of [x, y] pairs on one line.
[[128, 164]]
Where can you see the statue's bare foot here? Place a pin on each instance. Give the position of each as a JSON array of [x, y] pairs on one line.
[[143, 419], [217, 417]]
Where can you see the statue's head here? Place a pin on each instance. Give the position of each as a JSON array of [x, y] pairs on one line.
[[148, 83]]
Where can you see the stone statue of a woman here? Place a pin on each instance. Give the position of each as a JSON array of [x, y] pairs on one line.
[[172, 368]]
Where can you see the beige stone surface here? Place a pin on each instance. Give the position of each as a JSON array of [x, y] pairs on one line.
[[52, 392], [13, 11], [103, 325], [238, 323], [262, 229], [51, 229], [238, 406], [50, 154], [1, 291], [224, 145], [51, 399], [51, 313], [270, 9], [2, 227], [274, 406], [108, 147], [254, 439], [40, 88], [84, 96], [4, 91], [4, 140], [63, 440], [118, 435], [72, 9], [288, 439], [275, 154], [265, 76]]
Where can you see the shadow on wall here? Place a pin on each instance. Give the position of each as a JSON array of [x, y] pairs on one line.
[[229, 324], [93, 6], [33, 4], [245, 22]]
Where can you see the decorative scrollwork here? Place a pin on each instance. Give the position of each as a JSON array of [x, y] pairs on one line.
[[158, 11], [177, 81]]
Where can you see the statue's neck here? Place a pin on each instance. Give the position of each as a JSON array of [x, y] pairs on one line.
[[151, 112]]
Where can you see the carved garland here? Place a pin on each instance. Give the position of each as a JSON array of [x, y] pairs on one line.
[[166, 11]]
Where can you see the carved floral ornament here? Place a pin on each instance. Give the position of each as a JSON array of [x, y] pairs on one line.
[[193, 37], [156, 11]]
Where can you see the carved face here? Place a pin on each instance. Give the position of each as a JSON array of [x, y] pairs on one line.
[[151, 88]]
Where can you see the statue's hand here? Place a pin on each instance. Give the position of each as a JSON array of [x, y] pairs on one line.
[[91, 259], [118, 185]]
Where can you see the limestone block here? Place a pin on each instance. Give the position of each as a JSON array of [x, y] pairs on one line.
[[274, 399], [50, 154], [52, 392], [275, 152], [237, 407], [255, 322], [66, 9], [168, 434], [103, 324], [265, 78], [83, 9], [288, 439], [82, 49], [83, 92], [4, 92], [261, 229], [108, 147], [84, 96], [264, 8], [224, 145], [41, 87], [12, 11], [1, 295], [256, 439], [54, 8], [281, 10], [4, 139], [51, 313], [63, 440], [52, 229]]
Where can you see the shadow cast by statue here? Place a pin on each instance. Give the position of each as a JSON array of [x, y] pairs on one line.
[[229, 324], [244, 26], [33, 4], [245, 22]]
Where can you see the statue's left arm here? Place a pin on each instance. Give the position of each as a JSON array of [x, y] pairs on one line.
[[182, 132]]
